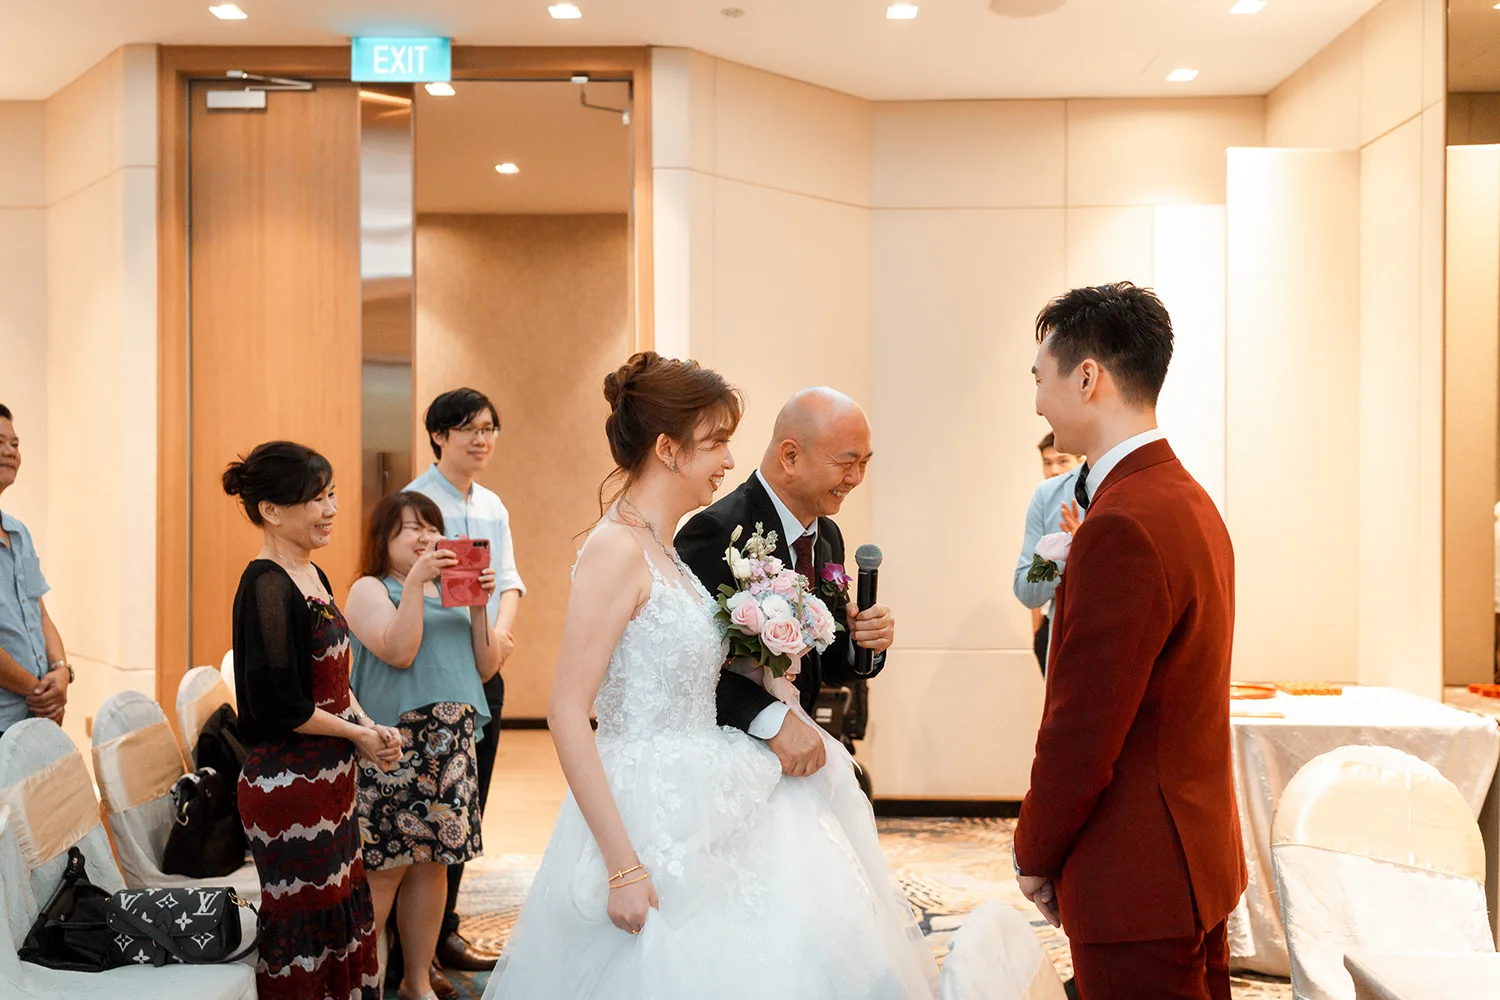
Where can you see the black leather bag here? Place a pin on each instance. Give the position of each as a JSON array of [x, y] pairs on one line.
[[207, 840], [72, 932], [190, 926]]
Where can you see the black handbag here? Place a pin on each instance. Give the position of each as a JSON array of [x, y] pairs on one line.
[[72, 932], [208, 839], [187, 926]]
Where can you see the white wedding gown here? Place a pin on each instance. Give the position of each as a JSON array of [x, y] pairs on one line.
[[770, 887]]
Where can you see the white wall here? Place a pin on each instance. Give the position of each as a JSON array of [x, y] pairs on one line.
[[100, 549], [1379, 88], [806, 236], [23, 302]]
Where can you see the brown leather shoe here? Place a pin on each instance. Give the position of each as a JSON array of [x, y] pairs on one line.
[[455, 953], [444, 989]]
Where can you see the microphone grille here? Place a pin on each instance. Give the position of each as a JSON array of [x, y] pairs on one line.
[[868, 557]]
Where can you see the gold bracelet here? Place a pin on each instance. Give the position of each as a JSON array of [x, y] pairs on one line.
[[627, 871], [638, 878]]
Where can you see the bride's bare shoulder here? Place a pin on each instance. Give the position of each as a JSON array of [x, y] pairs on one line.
[[612, 552]]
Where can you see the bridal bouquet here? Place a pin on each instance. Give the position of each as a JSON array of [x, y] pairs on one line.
[[771, 615]]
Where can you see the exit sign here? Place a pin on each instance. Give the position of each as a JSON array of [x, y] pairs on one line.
[[400, 60]]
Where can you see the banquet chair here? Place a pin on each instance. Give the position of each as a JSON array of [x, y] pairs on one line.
[[136, 762], [226, 667], [200, 694], [1375, 850], [995, 955], [47, 805]]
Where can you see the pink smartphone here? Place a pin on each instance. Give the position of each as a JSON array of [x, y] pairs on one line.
[[459, 585]]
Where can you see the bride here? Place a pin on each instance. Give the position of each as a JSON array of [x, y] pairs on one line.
[[684, 864]]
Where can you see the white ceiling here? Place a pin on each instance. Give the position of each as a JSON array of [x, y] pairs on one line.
[[572, 159], [1473, 45], [954, 48]]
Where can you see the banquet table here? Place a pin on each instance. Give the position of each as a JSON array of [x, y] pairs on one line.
[[1423, 977], [1274, 737]]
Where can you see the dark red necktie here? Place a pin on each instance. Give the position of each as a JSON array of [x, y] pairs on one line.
[[802, 550]]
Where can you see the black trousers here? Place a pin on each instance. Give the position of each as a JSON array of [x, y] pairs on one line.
[[484, 754], [1039, 644]]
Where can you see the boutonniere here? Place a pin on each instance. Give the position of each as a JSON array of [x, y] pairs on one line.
[[1051, 557], [834, 582], [322, 610]]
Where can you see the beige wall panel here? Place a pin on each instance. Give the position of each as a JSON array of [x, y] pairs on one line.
[[1189, 272], [1391, 67], [1293, 343], [1471, 404], [1390, 359], [135, 434], [1318, 106], [791, 309], [84, 124], [792, 136], [1434, 51], [969, 154], [1427, 668], [23, 345], [23, 172], [682, 109], [955, 296], [992, 697], [534, 312], [86, 401], [1157, 152], [1108, 244], [682, 245]]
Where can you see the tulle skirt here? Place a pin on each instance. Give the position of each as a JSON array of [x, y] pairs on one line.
[[769, 886]]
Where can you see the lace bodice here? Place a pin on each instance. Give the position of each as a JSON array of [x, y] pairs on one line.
[[664, 672]]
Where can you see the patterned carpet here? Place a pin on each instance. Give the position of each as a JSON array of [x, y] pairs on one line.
[[948, 867]]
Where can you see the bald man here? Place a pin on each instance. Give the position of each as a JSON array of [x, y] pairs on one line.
[[818, 454]]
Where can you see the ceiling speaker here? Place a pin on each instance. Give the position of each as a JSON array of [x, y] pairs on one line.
[[1025, 8]]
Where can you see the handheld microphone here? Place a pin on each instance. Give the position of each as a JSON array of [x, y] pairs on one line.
[[867, 558]]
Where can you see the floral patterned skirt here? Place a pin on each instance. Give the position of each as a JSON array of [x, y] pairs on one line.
[[426, 808]]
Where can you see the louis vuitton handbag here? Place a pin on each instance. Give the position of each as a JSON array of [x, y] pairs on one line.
[[188, 926]]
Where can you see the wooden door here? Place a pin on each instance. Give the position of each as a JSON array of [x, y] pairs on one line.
[[275, 322]]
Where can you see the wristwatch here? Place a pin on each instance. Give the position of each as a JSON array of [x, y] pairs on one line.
[[62, 665]]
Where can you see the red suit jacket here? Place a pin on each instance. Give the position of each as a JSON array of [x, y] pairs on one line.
[[1131, 810]]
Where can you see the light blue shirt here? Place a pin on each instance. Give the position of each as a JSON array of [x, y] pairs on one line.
[[478, 515], [443, 670], [1043, 517], [22, 588]]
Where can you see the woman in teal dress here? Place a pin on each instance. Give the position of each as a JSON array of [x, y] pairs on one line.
[[419, 667]]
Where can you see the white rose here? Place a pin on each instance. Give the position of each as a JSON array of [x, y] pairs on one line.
[[776, 607]]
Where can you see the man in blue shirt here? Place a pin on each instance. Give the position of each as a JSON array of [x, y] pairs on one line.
[[1045, 516], [34, 671], [462, 426]]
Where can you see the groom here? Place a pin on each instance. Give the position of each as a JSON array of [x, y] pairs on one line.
[[818, 453], [1129, 835]]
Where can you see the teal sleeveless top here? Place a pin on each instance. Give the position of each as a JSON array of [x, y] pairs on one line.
[[443, 670]]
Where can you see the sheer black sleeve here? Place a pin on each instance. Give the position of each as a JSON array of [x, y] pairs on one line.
[[277, 680]]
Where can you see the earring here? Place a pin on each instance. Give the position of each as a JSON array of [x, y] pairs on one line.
[[674, 466]]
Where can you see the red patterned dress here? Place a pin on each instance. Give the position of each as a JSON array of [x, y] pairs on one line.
[[296, 800]]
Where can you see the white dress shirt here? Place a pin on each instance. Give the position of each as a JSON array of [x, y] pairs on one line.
[[768, 722], [1099, 471]]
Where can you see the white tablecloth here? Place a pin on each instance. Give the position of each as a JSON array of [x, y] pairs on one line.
[[1423, 977], [1268, 751]]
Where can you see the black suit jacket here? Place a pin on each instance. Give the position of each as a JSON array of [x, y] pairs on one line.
[[701, 544]]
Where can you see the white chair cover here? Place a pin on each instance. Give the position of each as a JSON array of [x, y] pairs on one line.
[[24, 981], [995, 955], [140, 833], [226, 667], [200, 694], [1374, 849]]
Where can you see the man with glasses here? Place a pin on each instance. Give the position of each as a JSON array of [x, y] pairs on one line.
[[34, 671], [462, 426]]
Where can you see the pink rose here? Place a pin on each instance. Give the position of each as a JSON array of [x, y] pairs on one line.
[[745, 614], [1054, 548], [783, 636], [819, 622], [786, 582]]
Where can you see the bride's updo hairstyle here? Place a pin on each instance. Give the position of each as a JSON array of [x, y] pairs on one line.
[[650, 396]]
